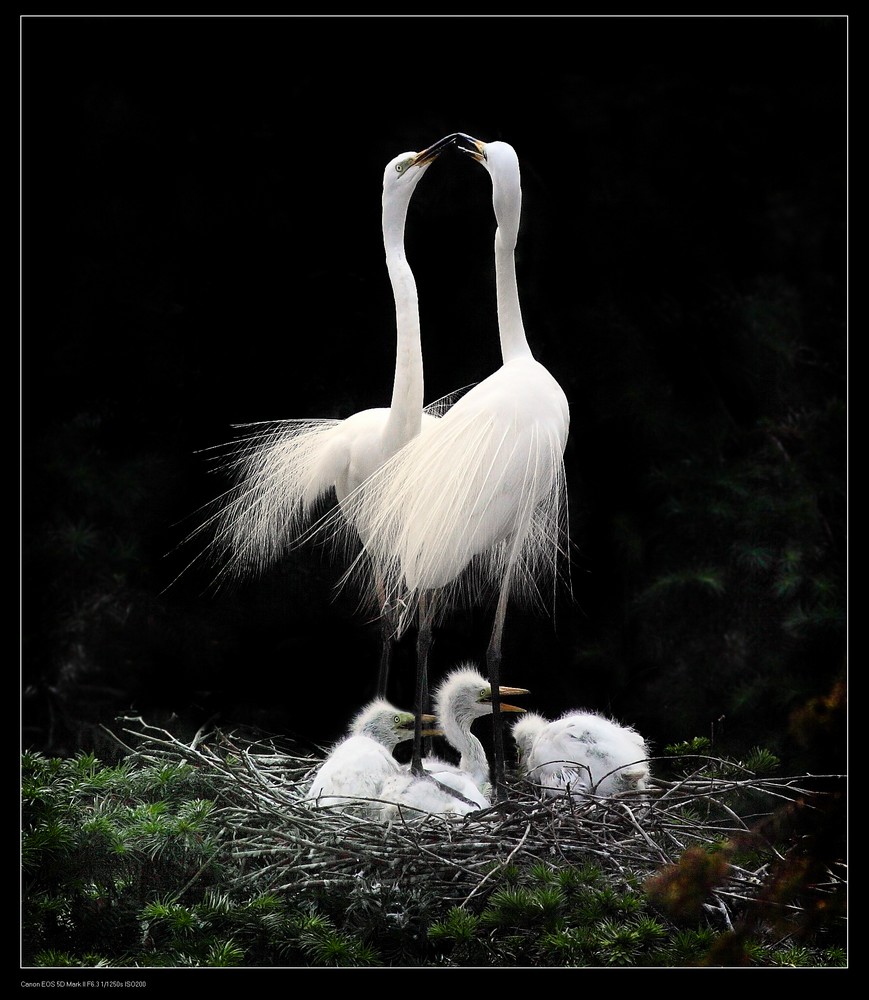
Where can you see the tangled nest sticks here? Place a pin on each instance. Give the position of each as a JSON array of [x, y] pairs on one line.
[[286, 845]]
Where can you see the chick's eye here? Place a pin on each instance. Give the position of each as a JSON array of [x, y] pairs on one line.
[[482, 692], [397, 720]]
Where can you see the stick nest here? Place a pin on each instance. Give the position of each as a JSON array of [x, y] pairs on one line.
[[286, 845]]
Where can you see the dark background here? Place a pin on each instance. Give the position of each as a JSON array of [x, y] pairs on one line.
[[201, 247]]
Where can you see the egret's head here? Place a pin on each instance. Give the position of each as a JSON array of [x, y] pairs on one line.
[[635, 778], [404, 171], [500, 159], [525, 730], [389, 725], [466, 695], [475, 148]]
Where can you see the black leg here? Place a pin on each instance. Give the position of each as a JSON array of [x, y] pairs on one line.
[[387, 640], [493, 665], [423, 645], [385, 655]]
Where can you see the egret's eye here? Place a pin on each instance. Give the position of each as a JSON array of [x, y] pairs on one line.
[[483, 693], [397, 720], [401, 167]]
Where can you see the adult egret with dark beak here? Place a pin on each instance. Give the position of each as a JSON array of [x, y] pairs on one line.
[[284, 469], [476, 504]]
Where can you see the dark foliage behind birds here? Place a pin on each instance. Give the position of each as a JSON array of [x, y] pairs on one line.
[[201, 247]]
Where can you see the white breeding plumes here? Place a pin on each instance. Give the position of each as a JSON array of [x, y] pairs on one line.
[[581, 754], [353, 774], [284, 469], [477, 502]]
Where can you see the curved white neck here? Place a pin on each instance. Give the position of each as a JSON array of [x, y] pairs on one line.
[[405, 413], [472, 755], [514, 343]]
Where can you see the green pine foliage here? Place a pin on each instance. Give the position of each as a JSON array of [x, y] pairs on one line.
[[124, 865]]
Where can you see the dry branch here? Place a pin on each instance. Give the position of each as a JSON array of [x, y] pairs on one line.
[[290, 846]]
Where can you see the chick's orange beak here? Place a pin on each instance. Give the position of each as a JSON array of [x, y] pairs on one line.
[[512, 693]]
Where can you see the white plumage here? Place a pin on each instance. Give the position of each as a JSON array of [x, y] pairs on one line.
[[581, 753], [476, 503], [353, 774], [486, 482], [408, 796], [462, 697], [284, 469]]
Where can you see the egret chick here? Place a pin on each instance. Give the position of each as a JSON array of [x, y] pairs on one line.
[[581, 754], [356, 768], [463, 696]]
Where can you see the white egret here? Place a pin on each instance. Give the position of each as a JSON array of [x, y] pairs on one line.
[[580, 754], [283, 469], [477, 501], [463, 696], [353, 773]]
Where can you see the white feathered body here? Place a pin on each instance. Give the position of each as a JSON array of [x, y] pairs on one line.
[[457, 778], [582, 753], [479, 491], [286, 473], [405, 795], [354, 772]]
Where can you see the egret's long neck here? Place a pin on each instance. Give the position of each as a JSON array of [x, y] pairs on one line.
[[514, 343], [405, 413], [457, 730]]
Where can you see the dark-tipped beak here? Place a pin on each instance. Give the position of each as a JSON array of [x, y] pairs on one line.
[[430, 154], [473, 147]]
